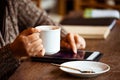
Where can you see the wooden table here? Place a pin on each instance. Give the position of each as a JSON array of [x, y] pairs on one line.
[[45, 71]]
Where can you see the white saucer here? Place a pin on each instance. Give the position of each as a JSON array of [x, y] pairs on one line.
[[97, 67]]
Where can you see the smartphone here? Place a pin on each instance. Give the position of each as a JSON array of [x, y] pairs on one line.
[[65, 55]]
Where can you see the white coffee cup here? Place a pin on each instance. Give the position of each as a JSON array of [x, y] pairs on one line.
[[50, 36]]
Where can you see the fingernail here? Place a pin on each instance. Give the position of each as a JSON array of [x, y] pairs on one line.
[[75, 51]]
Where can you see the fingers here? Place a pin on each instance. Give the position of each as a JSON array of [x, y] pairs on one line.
[[41, 53], [80, 42], [33, 42], [36, 48], [64, 44], [30, 38], [34, 45], [33, 37], [30, 31], [72, 42]]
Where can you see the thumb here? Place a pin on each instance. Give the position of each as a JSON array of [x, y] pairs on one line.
[[30, 31]]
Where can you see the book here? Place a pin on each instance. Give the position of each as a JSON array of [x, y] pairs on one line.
[[90, 28], [98, 13]]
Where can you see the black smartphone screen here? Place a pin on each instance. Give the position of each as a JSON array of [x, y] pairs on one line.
[[68, 55]]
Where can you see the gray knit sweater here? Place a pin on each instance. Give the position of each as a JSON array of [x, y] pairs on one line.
[[20, 14]]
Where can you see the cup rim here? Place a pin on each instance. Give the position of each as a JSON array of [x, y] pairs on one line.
[[42, 27]]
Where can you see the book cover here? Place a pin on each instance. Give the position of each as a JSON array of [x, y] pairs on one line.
[[101, 13], [91, 28], [89, 32]]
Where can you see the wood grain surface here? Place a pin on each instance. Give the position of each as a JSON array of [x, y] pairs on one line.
[[110, 47]]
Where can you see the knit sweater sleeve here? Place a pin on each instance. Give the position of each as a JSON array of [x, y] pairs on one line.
[[29, 15], [8, 64]]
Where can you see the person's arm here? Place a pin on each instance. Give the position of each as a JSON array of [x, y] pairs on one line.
[[8, 63], [29, 15], [29, 40]]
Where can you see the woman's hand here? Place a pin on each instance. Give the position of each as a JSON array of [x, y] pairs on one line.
[[28, 42], [73, 41]]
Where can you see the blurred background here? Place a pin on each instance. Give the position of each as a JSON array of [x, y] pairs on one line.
[[57, 9]]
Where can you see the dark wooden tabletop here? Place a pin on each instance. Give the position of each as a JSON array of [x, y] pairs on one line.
[[110, 47]]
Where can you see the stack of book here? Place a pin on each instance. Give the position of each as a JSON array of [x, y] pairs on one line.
[[95, 23], [90, 28]]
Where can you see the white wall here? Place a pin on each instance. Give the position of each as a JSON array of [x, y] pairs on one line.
[[48, 4]]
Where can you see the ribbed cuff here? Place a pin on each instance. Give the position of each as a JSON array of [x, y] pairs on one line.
[[63, 32], [8, 63]]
